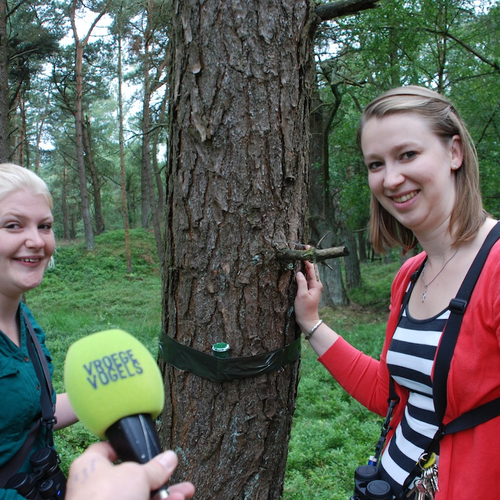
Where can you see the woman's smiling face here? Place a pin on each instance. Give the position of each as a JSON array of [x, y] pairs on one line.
[[26, 241], [410, 169]]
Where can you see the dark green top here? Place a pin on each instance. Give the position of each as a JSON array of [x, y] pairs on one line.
[[20, 404]]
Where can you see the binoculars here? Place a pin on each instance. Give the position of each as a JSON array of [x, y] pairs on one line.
[[46, 482], [368, 486]]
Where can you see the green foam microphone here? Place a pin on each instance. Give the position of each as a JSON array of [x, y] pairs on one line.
[[116, 390]]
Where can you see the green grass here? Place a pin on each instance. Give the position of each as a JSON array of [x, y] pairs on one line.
[[332, 434], [376, 285]]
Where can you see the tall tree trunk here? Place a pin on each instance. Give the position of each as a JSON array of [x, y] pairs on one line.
[[352, 268], [64, 205], [17, 139], [362, 245], [237, 188], [123, 178], [441, 46], [352, 265], [147, 188], [321, 208], [4, 85], [146, 202], [40, 123], [79, 49], [100, 224], [149, 204], [160, 179], [82, 173], [318, 189]]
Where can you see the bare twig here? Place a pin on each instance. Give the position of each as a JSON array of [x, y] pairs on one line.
[[324, 236]]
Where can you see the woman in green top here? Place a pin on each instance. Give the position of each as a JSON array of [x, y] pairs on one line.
[[26, 246]]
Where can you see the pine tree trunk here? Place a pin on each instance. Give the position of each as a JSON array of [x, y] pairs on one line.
[[100, 224], [121, 140], [64, 204], [146, 202], [4, 85], [149, 202], [237, 187], [82, 174], [352, 268], [322, 222]]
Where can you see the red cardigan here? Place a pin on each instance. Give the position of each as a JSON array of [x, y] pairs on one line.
[[469, 461]]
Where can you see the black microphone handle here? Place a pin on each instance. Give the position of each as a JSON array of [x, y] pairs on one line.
[[134, 439]]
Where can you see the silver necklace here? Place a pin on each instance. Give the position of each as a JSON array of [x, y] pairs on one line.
[[427, 285]]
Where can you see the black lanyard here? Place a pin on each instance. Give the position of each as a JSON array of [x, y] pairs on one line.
[[42, 372]]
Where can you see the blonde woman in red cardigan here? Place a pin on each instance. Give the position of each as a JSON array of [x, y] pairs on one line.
[[424, 179]]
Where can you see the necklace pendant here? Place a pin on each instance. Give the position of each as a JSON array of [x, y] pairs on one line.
[[427, 285]]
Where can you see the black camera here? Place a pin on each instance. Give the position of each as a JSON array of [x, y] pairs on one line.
[[368, 485], [46, 482]]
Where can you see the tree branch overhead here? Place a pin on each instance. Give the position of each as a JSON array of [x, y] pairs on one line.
[[329, 11]]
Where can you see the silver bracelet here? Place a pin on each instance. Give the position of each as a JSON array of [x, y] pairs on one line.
[[309, 334]]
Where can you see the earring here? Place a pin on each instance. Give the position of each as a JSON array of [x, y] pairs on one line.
[[455, 167]]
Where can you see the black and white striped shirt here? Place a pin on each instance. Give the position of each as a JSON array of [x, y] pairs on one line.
[[410, 359]]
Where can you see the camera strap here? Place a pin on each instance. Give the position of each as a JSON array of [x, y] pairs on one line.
[[458, 306], [43, 374], [47, 419]]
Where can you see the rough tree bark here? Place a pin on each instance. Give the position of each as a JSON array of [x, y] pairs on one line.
[[237, 189]]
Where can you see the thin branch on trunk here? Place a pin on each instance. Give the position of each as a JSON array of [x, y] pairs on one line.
[[312, 254]]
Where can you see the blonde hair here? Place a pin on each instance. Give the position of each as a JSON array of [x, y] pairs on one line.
[[468, 214], [15, 178]]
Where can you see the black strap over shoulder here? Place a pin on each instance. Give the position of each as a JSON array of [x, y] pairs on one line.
[[42, 372], [458, 306], [46, 391]]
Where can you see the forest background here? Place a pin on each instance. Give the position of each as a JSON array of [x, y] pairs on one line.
[[449, 45], [87, 107]]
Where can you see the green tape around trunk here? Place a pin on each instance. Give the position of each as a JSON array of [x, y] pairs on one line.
[[220, 369]]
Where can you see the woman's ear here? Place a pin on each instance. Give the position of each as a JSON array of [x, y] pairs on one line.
[[457, 152]]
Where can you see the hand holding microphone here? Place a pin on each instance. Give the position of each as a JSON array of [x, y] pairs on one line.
[[116, 390], [93, 476]]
